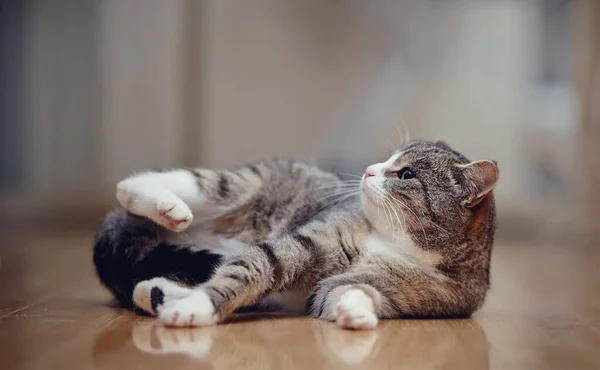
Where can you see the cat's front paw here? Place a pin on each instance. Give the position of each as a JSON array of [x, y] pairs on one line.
[[355, 310], [194, 310]]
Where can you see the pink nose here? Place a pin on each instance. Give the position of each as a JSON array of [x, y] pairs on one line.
[[369, 172]]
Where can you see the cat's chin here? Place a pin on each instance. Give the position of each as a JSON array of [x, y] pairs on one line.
[[372, 212], [367, 196]]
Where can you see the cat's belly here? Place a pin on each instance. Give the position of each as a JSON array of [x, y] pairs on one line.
[[199, 239], [292, 302]]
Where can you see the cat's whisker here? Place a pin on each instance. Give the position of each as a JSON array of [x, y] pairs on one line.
[[340, 191], [388, 219], [382, 198], [332, 198], [341, 183], [341, 198], [359, 177], [403, 220], [413, 212], [334, 186], [391, 207], [397, 217], [404, 206], [337, 194]]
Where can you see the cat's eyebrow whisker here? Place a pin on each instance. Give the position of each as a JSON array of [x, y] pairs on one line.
[[390, 144], [406, 131], [402, 142]]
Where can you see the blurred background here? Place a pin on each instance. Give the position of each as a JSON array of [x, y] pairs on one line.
[[92, 90]]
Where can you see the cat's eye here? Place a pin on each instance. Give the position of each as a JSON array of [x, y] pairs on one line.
[[406, 174]]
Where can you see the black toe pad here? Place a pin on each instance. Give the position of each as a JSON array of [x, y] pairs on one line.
[[157, 297]]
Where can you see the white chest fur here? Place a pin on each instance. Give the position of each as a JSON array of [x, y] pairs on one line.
[[402, 250]]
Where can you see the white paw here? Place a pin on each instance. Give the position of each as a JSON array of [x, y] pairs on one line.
[[194, 310], [355, 310], [174, 214], [167, 291], [139, 196]]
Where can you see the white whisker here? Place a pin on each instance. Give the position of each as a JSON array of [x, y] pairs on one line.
[[400, 224], [402, 139], [404, 206], [351, 174], [406, 131]]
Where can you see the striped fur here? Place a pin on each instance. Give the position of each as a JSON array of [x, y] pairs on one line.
[[287, 235]]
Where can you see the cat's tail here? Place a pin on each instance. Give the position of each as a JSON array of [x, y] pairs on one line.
[[129, 249]]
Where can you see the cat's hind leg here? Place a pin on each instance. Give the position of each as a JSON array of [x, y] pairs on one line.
[[173, 198], [151, 295], [242, 280], [147, 195]]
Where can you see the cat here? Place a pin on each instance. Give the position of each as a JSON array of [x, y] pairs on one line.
[[411, 238]]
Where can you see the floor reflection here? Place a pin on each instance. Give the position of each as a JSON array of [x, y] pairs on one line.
[[289, 343]]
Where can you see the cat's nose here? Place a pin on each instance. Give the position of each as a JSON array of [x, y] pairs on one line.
[[369, 172]]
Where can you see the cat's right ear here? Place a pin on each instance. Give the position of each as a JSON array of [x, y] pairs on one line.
[[480, 179]]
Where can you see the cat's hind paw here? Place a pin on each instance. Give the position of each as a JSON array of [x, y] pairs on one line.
[[174, 214], [355, 310], [141, 196], [151, 295]]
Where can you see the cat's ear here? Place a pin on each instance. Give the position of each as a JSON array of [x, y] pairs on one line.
[[443, 144], [480, 179]]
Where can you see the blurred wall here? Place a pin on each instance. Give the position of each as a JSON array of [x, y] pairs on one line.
[[104, 88]]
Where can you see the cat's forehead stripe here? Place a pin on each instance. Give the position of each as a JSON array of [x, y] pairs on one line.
[[393, 159], [397, 159]]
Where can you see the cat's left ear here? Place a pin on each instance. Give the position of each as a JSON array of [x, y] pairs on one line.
[[480, 179], [443, 144]]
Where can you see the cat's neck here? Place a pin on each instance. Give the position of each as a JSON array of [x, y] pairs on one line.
[[400, 247]]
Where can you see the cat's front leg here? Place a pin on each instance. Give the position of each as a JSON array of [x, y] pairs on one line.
[[384, 289], [351, 306]]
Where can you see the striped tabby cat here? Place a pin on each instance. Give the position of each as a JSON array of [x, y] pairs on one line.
[[413, 237]]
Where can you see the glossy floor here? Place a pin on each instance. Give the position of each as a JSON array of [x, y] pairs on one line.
[[543, 312]]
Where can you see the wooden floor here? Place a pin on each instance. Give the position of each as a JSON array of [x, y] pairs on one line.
[[543, 313]]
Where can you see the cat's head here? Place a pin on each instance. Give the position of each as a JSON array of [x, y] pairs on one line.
[[430, 192]]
